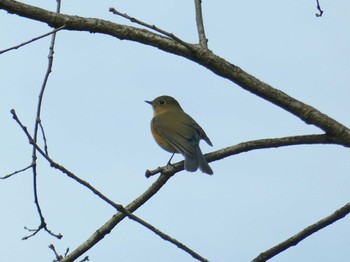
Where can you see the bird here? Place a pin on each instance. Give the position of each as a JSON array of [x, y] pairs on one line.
[[177, 132]]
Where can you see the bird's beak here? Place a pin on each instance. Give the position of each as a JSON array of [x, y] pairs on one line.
[[149, 102]]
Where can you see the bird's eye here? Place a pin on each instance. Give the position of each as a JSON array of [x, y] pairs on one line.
[[162, 102]]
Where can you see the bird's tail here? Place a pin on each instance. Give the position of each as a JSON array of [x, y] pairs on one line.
[[202, 162], [197, 161]]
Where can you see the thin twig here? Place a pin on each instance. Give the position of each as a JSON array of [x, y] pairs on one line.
[[16, 172], [85, 259], [58, 257], [203, 41], [32, 40], [153, 27], [38, 229], [44, 138], [38, 124], [308, 231], [118, 207], [319, 9]]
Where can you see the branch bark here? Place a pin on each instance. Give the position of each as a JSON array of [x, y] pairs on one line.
[[197, 54]]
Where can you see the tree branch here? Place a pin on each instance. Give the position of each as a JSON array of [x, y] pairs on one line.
[[336, 133], [198, 54], [319, 9], [16, 172], [123, 211], [252, 145], [294, 240], [38, 124], [203, 41], [160, 182], [168, 171], [31, 41], [153, 27], [58, 257]]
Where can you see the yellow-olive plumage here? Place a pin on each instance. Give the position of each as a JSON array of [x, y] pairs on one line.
[[177, 132]]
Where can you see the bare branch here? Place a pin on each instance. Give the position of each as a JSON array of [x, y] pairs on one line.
[[16, 172], [39, 228], [38, 123], [58, 257], [153, 27], [85, 259], [44, 138], [32, 40], [170, 239], [294, 240], [252, 145], [123, 212], [167, 172], [336, 132], [319, 9], [203, 41], [203, 57], [109, 225]]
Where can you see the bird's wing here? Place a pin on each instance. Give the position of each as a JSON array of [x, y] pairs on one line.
[[194, 125], [178, 135]]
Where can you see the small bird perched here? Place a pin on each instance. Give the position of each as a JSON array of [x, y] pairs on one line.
[[177, 132]]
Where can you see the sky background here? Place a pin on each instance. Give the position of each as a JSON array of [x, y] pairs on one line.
[[97, 126]]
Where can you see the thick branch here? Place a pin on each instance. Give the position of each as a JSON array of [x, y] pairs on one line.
[[198, 54]]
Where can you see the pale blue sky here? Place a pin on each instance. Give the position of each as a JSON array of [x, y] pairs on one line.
[[97, 126]]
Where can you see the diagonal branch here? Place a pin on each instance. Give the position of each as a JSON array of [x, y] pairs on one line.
[[32, 40], [294, 240], [16, 172], [153, 27], [198, 54], [203, 41], [124, 212]]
